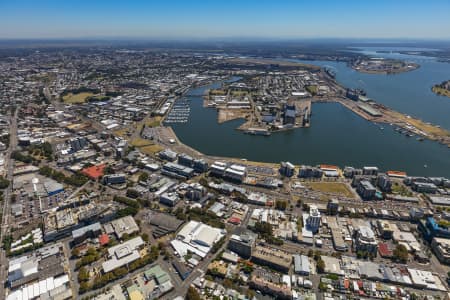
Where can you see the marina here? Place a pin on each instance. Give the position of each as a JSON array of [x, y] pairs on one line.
[[336, 131], [179, 112]]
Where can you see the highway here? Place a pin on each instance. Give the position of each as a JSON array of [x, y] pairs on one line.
[[9, 166]]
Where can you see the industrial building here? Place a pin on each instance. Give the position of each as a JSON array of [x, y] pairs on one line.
[[301, 265], [197, 238], [40, 266], [276, 259]]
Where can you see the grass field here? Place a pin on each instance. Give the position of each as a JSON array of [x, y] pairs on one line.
[[312, 89], [430, 129], [146, 146], [151, 149], [331, 187], [139, 142], [153, 122], [76, 98], [400, 189], [121, 132], [217, 92]]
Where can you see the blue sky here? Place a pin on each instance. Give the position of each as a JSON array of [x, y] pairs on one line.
[[225, 19]]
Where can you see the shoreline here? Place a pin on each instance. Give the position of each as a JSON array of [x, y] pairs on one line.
[[440, 91]]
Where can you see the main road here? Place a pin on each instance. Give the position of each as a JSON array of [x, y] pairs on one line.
[[9, 167]]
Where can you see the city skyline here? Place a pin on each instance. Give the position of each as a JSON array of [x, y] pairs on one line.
[[231, 19]]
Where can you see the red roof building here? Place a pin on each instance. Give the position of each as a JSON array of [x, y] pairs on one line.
[[103, 239], [234, 220], [397, 174], [94, 172], [384, 250], [329, 167]]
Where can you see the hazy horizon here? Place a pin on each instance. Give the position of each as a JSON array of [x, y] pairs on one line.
[[225, 20]]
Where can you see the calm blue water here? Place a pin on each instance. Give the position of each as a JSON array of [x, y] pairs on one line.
[[337, 135], [409, 93]]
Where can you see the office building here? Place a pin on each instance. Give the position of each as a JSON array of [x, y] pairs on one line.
[[366, 190], [177, 171], [332, 207], [385, 229], [309, 172], [243, 243], [365, 240], [287, 169], [384, 183], [126, 225], [424, 187], [114, 179], [169, 199], [123, 254], [168, 154], [185, 160], [370, 171], [441, 248], [83, 233], [313, 219]]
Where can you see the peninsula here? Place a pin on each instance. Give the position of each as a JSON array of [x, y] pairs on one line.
[[442, 89], [383, 66]]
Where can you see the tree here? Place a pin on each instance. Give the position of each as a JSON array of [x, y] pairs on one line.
[[281, 204], [132, 193], [143, 176], [75, 252], [83, 274], [4, 183], [109, 170], [145, 237], [192, 294], [320, 266], [401, 253]]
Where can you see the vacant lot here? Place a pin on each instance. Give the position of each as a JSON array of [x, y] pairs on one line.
[[151, 149], [140, 142], [400, 189], [77, 98], [331, 187]]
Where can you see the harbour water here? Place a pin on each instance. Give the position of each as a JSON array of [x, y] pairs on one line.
[[337, 135]]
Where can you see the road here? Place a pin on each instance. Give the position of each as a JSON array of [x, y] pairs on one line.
[[200, 269], [7, 197]]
